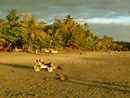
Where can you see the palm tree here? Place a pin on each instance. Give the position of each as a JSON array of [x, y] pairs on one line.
[[2, 40], [2, 24], [57, 39], [85, 26], [26, 17], [68, 24], [39, 39], [12, 15], [68, 19], [31, 30], [12, 18], [98, 43]]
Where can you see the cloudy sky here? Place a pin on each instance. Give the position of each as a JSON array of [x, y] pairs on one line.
[[104, 17]]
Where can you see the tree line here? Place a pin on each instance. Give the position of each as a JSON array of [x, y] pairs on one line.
[[26, 32]]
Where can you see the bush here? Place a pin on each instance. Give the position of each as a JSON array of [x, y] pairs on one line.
[[125, 49]]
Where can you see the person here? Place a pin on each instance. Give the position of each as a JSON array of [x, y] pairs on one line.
[[50, 51], [41, 63]]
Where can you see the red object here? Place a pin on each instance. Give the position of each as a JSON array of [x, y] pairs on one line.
[[51, 51], [1, 49]]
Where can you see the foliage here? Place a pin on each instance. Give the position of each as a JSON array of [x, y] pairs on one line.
[[31, 34]]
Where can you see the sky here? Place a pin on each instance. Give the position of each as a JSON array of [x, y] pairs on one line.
[[104, 17]]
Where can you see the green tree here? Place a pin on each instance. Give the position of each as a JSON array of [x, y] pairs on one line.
[[13, 32], [32, 29], [12, 15], [107, 42], [39, 39], [85, 26]]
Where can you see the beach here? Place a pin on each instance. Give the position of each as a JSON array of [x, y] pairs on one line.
[[84, 75]]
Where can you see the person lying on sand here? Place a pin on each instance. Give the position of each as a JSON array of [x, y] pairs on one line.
[[41, 63]]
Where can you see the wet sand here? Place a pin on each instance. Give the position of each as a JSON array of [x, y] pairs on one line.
[[90, 75]]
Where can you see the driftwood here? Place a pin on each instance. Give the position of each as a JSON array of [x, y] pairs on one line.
[[18, 50]]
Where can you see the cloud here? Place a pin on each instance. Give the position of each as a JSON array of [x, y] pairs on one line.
[[90, 22], [86, 9], [106, 23], [118, 31], [123, 23]]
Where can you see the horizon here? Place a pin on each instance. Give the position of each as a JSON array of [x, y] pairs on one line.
[[111, 18]]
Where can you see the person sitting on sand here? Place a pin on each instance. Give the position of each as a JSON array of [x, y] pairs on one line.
[[41, 63]]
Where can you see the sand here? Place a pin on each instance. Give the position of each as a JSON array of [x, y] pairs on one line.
[[90, 75]]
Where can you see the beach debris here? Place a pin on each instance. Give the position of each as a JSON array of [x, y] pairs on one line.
[[18, 50], [61, 77], [82, 53], [109, 52]]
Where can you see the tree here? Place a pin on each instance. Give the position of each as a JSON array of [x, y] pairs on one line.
[[85, 26], [62, 33], [57, 39], [12, 31], [68, 29], [68, 19], [39, 39], [98, 43], [26, 18], [32, 30], [107, 42], [12, 15]]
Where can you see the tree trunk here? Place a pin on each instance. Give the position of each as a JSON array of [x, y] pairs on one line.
[[9, 46], [5, 49]]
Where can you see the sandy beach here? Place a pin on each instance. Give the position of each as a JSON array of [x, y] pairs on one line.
[[90, 75]]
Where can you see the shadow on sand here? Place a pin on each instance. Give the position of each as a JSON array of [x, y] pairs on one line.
[[104, 87], [112, 84], [17, 66]]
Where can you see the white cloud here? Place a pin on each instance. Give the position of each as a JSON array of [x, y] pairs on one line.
[[121, 23], [104, 22]]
